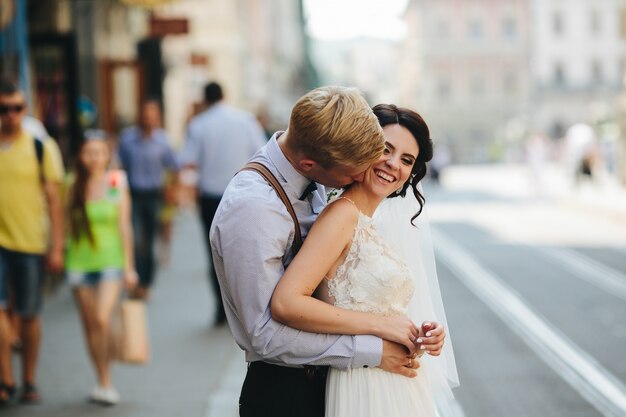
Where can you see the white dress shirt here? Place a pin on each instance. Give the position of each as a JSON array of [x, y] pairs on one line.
[[219, 142], [251, 240]]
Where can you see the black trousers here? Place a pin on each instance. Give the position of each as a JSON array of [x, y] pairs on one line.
[[278, 391], [145, 218], [208, 207]]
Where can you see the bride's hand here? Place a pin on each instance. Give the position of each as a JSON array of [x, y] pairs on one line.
[[400, 330], [433, 339]]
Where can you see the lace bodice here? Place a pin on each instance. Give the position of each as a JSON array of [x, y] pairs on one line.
[[372, 278]]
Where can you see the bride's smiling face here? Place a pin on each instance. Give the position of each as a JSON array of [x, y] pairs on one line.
[[394, 167]]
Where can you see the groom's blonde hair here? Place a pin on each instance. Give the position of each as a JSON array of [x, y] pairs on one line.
[[335, 126]]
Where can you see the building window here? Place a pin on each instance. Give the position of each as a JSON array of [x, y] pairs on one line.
[[594, 22], [557, 23], [559, 74], [509, 28], [475, 29], [597, 75]]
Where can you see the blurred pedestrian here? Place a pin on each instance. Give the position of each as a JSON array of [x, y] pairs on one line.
[[34, 127], [219, 142], [31, 171], [441, 160], [166, 217], [145, 154], [99, 251], [581, 152]]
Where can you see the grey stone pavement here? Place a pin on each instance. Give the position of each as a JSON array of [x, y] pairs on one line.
[[188, 356]]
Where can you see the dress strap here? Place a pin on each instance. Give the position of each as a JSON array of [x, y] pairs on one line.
[[357, 207], [347, 199]]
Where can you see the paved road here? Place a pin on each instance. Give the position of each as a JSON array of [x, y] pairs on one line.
[[535, 291]]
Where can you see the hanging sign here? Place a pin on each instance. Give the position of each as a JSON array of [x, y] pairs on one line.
[[170, 26]]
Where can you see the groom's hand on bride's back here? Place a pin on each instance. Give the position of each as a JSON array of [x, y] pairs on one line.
[[398, 360]]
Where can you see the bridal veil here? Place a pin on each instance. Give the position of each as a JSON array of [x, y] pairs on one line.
[[393, 221]]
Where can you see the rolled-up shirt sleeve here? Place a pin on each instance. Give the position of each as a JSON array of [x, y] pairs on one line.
[[249, 239]]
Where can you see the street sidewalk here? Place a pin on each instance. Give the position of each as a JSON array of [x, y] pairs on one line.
[[189, 358], [520, 208]]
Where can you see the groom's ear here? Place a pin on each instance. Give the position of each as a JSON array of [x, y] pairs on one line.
[[306, 165]]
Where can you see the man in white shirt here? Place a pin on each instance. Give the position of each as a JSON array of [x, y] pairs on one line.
[[333, 136], [219, 142]]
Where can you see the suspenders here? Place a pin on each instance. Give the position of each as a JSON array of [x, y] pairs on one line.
[[271, 179]]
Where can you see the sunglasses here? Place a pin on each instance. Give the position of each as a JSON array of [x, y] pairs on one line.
[[15, 108]]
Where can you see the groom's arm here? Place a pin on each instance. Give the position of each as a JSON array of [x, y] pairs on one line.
[[249, 238]]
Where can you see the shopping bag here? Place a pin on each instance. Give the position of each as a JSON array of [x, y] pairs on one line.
[[129, 335]]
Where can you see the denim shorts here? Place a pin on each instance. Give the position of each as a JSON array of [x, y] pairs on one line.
[[92, 279], [24, 273]]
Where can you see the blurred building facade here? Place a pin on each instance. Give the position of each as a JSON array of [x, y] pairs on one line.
[[578, 56], [88, 63], [578, 69], [257, 49], [487, 73], [364, 62], [465, 67]]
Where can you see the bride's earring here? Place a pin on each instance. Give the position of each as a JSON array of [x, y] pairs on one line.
[[399, 190]]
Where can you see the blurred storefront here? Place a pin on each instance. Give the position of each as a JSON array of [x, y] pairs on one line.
[[87, 63], [14, 40], [50, 46]]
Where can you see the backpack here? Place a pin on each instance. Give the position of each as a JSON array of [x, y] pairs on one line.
[[39, 152]]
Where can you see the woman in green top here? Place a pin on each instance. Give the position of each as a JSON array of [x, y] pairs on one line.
[[99, 252]]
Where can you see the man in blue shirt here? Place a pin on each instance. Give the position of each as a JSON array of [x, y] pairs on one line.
[[146, 155], [219, 142]]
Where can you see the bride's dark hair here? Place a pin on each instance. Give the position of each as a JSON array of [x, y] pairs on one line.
[[390, 114]]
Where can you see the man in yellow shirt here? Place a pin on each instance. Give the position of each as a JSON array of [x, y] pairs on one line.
[[30, 204]]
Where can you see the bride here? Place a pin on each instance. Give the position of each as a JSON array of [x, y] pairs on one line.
[[348, 279]]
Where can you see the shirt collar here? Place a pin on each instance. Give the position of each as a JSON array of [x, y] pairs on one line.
[[214, 108], [296, 182]]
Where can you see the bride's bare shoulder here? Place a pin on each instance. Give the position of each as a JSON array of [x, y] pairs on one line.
[[341, 209], [335, 224]]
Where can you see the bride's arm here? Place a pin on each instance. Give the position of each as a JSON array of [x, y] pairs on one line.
[[293, 303]]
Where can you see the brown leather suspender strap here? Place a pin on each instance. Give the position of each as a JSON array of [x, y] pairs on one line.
[[271, 179]]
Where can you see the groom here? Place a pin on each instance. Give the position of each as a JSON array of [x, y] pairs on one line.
[[332, 138]]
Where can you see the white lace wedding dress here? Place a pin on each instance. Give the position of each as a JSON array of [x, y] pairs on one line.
[[374, 279]]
